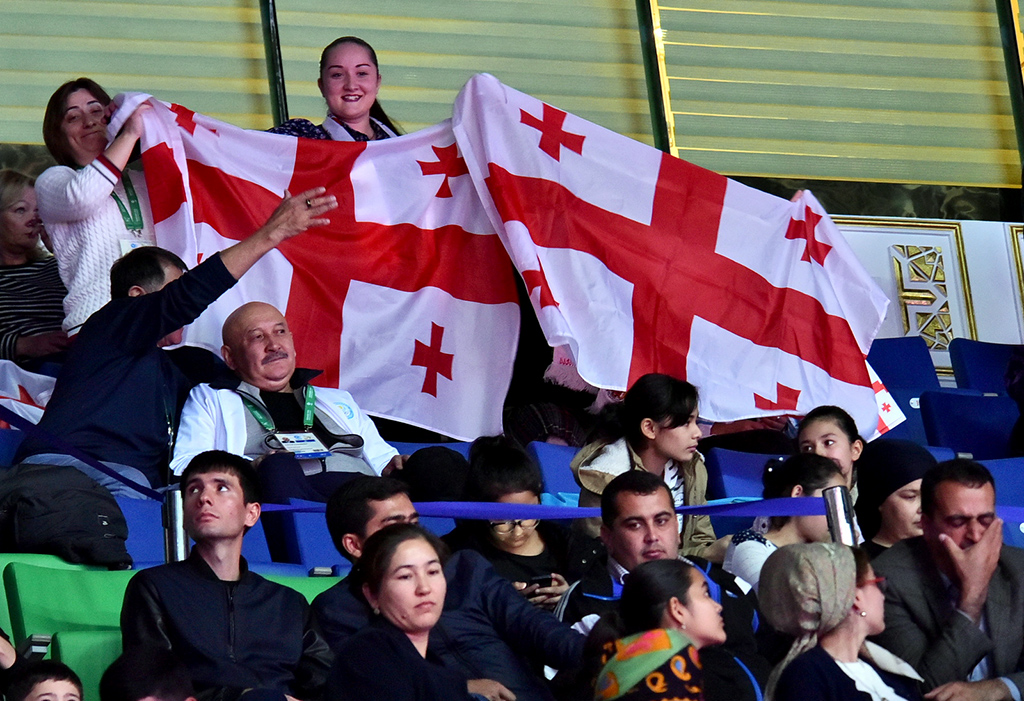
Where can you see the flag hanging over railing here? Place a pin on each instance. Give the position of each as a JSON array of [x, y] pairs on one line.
[[635, 260]]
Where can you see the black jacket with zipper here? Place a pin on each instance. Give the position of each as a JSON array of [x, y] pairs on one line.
[[232, 636]]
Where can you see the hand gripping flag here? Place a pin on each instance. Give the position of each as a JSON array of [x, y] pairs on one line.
[[406, 299], [641, 262]]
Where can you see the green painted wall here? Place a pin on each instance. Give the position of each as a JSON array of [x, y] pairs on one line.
[[869, 90]]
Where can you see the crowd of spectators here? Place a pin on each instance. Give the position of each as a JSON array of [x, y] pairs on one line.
[[640, 603]]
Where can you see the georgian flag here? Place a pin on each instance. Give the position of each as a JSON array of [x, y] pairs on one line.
[[640, 262], [23, 392], [637, 261], [406, 299]]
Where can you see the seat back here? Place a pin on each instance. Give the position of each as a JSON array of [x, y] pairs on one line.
[[306, 538], [554, 463], [45, 600], [51, 561], [145, 531], [909, 400], [980, 365], [438, 525], [459, 447], [309, 587], [1009, 492], [735, 474], [969, 423], [10, 440], [89, 653], [732, 473], [904, 362]]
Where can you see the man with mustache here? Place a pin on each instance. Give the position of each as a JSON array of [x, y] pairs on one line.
[[118, 393], [307, 440]]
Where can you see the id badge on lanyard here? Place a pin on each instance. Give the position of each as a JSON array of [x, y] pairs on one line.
[[303, 444]]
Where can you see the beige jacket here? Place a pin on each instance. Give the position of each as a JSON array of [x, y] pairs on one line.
[[593, 470]]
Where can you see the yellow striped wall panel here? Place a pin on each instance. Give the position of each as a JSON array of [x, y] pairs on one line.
[[582, 55], [910, 91]]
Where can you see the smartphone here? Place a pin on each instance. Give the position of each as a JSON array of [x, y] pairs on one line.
[[542, 581]]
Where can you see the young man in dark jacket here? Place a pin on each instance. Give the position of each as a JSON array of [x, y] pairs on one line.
[[487, 629], [235, 631]]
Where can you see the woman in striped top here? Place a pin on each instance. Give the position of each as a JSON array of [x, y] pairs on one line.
[[31, 292]]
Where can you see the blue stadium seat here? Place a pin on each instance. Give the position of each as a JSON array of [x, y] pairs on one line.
[[459, 447], [905, 367], [908, 400], [554, 463], [10, 439], [903, 362], [939, 453], [145, 531], [969, 423], [438, 525], [1008, 474], [733, 474], [307, 540], [257, 553], [980, 365]]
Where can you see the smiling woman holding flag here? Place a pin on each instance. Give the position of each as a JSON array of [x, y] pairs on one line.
[[349, 81], [93, 212]]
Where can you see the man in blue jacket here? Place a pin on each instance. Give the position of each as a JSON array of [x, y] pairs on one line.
[[487, 629]]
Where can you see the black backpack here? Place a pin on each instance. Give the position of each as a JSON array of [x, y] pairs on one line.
[[59, 510]]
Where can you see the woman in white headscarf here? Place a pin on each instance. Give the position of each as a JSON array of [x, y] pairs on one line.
[[828, 598]]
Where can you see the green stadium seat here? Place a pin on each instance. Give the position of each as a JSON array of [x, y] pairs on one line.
[[44, 600], [40, 560], [309, 587], [89, 653]]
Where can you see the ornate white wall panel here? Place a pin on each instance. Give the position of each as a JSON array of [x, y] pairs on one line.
[[944, 279]]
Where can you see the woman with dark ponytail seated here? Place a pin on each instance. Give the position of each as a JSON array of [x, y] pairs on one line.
[[648, 647], [653, 429], [801, 475], [349, 81]]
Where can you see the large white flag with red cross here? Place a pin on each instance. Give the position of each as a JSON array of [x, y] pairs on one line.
[[407, 299], [637, 261], [641, 262]]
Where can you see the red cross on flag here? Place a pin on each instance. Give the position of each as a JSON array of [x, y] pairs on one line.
[[406, 299], [641, 262]]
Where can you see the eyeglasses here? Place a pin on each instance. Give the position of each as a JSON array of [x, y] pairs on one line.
[[506, 527], [877, 581]]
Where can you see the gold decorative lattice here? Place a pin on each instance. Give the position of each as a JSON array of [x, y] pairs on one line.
[[921, 287]]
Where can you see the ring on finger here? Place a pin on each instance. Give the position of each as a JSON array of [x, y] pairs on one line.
[[309, 204]]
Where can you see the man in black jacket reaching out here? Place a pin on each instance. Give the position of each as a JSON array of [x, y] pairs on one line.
[[235, 631]]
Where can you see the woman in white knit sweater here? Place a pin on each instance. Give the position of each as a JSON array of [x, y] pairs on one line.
[[92, 213]]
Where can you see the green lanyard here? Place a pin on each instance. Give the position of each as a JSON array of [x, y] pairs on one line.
[[133, 219], [261, 415]]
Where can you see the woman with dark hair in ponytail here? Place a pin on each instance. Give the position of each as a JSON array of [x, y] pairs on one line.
[[349, 81], [801, 475], [653, 429], [648, 647]]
